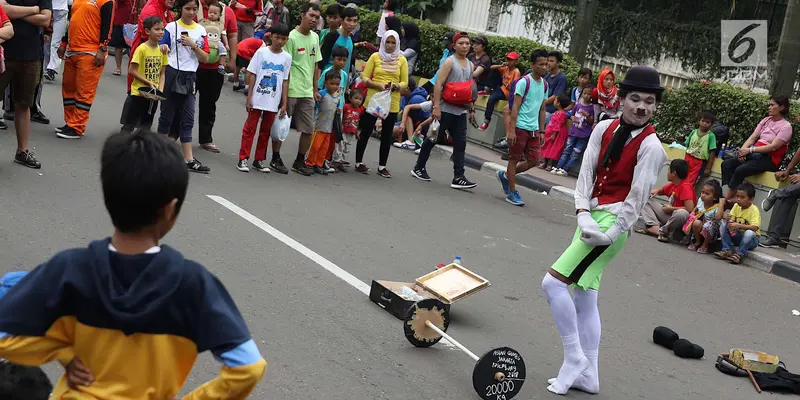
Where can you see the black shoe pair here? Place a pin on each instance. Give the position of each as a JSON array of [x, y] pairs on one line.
[[683, 348]]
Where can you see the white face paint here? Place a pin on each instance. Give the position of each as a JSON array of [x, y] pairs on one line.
[[638, 107]]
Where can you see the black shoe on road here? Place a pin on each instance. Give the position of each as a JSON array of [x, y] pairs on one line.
[[384, 173], [61, 128], [40, 118], [242, 166], [27, 159], [772, 243], [260, 166], [50, 75], [196, 166], [320, 171], [301, 169], [421, 174], [362, 168], [462, 183], [68, 133], [277, 166]]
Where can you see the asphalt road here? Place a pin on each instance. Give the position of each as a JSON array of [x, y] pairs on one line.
[[323, 338]]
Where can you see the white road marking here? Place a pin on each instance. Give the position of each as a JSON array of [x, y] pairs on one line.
[[300, 248]]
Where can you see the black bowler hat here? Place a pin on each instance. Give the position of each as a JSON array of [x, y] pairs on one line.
[[642, 79]]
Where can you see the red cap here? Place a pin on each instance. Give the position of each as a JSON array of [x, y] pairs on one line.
[[512, 55]]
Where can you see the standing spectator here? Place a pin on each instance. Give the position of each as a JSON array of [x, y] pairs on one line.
[[783, 200], [701, 146], [36, 109], [268, 85], [58, 28], [274, 13], [333, 17], [410, 44], [210, 80], [447, 43], [303, 46], [326, 112], [763, 150], [188, 47], [556, 82], [246, 11], [527, 122], [385, 70], [579, 133], [123, 14], [452, 117], [85, 49], [22, 51], [607, 102], [159, 8], [482, 62], [148, 67], [341, 37], [510, 74], [388, 11]]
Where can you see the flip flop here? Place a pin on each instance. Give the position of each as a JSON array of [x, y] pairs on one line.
[[735, 259], [117, 73], [663, 239], [642, 231]]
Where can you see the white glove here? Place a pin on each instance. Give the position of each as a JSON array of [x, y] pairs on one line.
[[586, 222], [595, 238]]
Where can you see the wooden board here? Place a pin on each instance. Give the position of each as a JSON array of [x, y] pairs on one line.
[[452, 283]]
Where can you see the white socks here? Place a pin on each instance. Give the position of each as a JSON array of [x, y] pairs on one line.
[[566, 319]]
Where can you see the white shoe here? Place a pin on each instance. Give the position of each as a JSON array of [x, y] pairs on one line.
[[417, 151]]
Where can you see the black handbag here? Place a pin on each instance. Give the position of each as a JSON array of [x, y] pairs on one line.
[[183, 83]]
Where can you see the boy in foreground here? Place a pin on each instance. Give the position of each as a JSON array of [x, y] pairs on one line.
[[128, 303]]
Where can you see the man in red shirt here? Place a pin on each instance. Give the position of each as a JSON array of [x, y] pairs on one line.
[[246, 13], [124, 13], [662, 219]]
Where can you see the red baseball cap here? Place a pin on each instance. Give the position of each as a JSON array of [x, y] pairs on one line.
[[512, 55]]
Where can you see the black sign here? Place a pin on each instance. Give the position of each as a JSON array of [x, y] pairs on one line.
[[499, 374]]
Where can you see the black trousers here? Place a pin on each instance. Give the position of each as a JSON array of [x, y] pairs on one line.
[[456, 125], [785, 199], [367, 125], [734, 171], [209, 87]]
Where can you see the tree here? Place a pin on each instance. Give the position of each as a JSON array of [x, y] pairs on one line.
[[787, 59]]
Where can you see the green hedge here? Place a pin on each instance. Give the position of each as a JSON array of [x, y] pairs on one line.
[[739, 109]]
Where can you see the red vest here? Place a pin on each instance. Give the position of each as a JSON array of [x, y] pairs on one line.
[[613, 182]]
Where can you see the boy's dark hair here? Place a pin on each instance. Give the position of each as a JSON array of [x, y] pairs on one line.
[[557, 54], [716, 187], [20, 382], [706, 115], [151, 21], [538, 53], [392, 5], [333, 10], [278, 29], [141, 173], [748, 189], [585, 71], [340, 51], [564, 100], [591, 86], [348, 12], [331, 74], [214, 5], [305, 7], [412, 83], [680, 167]]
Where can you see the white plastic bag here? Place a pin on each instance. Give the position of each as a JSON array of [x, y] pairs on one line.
[[129, 33], [280, 128], [379, 104]]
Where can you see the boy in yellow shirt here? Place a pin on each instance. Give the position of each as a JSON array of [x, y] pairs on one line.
[[741, 227], [148, 68]]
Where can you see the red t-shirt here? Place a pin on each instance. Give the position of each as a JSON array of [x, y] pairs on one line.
[[241, 12], [123, 12], [3, 19], [230, 29], [248, 47], [350, 117], [678, 193]]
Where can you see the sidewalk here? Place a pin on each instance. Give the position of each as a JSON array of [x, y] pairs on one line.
[[781, 262]]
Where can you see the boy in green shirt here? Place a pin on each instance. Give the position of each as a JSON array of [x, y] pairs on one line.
[[701, 146]]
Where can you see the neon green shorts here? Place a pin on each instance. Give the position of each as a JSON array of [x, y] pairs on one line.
[[584, 264]]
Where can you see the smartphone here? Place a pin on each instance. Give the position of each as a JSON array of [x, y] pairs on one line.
[[184, 33]]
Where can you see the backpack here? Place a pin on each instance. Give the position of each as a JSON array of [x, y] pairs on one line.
[[527, 79]]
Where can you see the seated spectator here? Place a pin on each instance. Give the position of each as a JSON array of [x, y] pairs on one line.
[[411, 116], [783, 200], [510, 74], [664, 220], [704, 227], [740, 227], [763, 151], [482, 62]]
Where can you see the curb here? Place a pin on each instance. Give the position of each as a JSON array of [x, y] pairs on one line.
[[754, 259]]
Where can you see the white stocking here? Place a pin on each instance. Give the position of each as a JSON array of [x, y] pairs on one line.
[[566, 319], [589, 332]]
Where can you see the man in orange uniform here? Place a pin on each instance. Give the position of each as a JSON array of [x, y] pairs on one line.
[[85, 47]]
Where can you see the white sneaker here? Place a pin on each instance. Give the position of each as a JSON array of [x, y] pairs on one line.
[[242, 166], [561, 172], [418, 150]]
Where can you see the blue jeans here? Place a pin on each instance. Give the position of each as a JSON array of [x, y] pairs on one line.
[[572, 151], [746, 241]]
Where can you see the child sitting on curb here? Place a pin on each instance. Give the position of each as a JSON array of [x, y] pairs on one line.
[[663, 220], [703, 230], [741, 227]]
